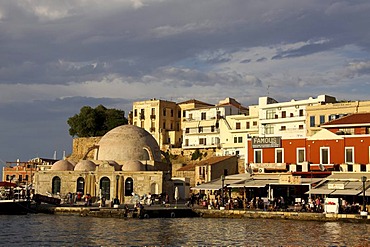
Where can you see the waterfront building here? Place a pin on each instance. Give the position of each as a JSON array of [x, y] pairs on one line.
[[286, 119], [343, 144], [319, 114], [21, 172], [127, 161]]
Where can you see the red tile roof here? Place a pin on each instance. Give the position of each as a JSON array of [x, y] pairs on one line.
[[356, 118], [194, 101]]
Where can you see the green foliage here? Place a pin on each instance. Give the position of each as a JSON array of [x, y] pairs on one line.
[[196, 155], [95, 121]]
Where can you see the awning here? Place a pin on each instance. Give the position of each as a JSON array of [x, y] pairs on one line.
[[346, 192], [7, 184], [320, 192], [252, 184], [207, 186]]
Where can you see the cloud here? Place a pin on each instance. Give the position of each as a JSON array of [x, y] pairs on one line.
[[358, 68]]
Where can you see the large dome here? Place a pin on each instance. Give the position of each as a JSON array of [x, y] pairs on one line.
[[128, 142], [62, 165]]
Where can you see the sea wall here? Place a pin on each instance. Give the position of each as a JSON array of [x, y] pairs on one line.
[[213, 213]]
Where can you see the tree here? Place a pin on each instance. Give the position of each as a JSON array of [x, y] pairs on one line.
[[95, 121]]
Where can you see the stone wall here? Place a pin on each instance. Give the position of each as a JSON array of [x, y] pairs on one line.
[[80, 147]]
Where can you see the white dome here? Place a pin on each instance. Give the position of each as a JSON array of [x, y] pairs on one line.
[[133, 166], [128, 142]]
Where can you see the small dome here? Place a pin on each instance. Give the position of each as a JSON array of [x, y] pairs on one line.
[[62, 165], [85, 165], [133, 166]]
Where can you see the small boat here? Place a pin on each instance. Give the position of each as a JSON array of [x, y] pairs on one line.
[[12, 200]]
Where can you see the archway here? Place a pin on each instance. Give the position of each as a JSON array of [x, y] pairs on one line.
[[129, 187], [56, 184], [105, 187], [154, 188]]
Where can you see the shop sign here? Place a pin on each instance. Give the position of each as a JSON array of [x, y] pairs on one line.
[[289, 179], [266, 142], [336, 186]]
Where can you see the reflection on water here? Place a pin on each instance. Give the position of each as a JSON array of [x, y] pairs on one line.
[[52, 230]]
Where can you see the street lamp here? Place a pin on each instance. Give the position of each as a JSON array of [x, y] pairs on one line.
[[363, 180], [222, 189]]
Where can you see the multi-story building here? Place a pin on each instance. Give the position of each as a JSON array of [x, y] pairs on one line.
[[201, 126], [236, 129], [322, 113], [286, 119], [161, 118]]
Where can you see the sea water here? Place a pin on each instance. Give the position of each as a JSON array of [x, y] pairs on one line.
[[63, 230]]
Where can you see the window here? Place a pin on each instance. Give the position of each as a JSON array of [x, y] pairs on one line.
[[184, 114], [179, 114], [270, 114], [56, 185], [235, 139], [279, 155], [254, 123], [291, 114], [283, 114], [269, 129], [129, 187], [105, 187], [322, 119], [212, 128], [171, 112], [301, 113], [324, 155], [153, 111], [80, 185], [283, 128], [237, 126], [300, 127], [200, 129], [164, 125], [248, 125], [186, 142], [258, 156], [187, 130], [312, 121], [203, 141], [301, 155], [164, 111], [190, 116], [240, 139], [142, 114], [203, 116], [349, 155], [135, 113]]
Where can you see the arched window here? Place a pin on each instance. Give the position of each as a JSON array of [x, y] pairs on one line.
[[129, 187], [154, 188], [56, 185], [80, 185], [105, 187]]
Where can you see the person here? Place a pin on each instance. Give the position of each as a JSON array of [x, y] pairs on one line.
[[102, 202]]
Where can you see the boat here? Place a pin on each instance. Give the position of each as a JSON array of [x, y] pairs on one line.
[[13, 199]]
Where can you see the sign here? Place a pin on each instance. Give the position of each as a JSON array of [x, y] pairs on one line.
[[289, 179], [336, 186], [266, 142]]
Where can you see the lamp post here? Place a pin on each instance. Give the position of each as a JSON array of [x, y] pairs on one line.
[[117, 178], [363, 180], [222, 189]]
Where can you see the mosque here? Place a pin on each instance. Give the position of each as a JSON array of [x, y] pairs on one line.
[[127, 161]]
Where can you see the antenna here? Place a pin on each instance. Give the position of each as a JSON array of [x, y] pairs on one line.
[[55, 155], [268, 90]]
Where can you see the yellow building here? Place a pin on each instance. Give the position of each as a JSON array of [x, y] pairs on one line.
[[325, 112]]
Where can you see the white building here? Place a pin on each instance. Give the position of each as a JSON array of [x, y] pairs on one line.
[[201, 126], [286, 119]]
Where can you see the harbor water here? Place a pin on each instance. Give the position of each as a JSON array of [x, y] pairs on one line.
[[65, 230]]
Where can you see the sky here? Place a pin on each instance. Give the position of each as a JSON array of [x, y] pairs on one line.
[[57, 56]]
